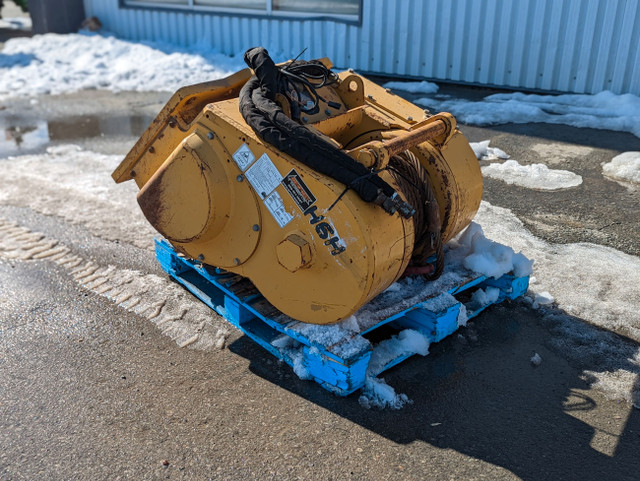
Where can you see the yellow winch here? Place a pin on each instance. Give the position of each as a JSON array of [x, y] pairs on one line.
[[323, 189]]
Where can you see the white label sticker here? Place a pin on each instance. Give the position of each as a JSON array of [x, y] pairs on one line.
[[244, 157], [264, 176], [276, 207]]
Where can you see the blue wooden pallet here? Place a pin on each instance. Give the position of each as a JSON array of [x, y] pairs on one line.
[[336, 358]]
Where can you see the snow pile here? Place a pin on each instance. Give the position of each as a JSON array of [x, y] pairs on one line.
[[484, 152], [423, 87], [624, 167], [534, 176], [604, 110], [376, 392], [470, 254], [487, 257], [55, 64]]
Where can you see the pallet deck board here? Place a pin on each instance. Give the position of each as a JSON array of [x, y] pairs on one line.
[[336, 358]]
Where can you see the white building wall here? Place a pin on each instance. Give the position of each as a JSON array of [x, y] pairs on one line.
[[583, 46]]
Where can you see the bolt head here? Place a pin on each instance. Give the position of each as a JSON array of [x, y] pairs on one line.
[[294, 253], [256, 227], [240, 178], [210, 135]]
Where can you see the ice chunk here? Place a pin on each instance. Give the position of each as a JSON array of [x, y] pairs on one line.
[[536, 360], [462, 316], [624, 167], [484, 152], [542, 299], [534, 176]]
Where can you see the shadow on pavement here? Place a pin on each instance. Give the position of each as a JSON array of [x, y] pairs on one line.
[[484, 399]]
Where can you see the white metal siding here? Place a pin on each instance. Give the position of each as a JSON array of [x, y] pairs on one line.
[[583, 46]]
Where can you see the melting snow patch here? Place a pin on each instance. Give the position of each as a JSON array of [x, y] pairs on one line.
[[534, 176], [604, 110], [76, 184], [589, 283], [484, 152], [423, 87], [624, 167]]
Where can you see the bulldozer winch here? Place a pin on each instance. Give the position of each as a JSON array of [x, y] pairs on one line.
[[321, 188]]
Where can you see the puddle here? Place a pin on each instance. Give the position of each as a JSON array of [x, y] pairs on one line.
[[19, 136]]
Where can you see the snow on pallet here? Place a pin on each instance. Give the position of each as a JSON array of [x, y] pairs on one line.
[[340, 357]]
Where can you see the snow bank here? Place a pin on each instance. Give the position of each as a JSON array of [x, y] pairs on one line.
[[533, 176], [55, 64], [604, 110], [423, 87], [624, 167], [484, 152], [16, 23]]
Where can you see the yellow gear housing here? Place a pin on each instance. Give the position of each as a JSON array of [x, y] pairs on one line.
[[219, 194]]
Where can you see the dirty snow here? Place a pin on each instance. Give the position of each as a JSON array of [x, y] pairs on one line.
[[604, 110], [55, 64], [423, 87], [484, 152], [533, 176], [624, 167]]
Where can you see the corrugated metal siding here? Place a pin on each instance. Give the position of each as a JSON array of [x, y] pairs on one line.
[[583, 46]]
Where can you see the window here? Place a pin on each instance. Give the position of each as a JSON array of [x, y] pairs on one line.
[[348, 10]]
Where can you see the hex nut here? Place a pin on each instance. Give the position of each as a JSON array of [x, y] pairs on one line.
[[294, 253]]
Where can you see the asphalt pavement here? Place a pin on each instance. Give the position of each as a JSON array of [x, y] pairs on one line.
[[89, 390]]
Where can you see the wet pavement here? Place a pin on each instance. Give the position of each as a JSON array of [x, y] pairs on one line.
[[90, 390]]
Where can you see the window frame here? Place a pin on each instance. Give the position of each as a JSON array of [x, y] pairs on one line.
[[267, 13]]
